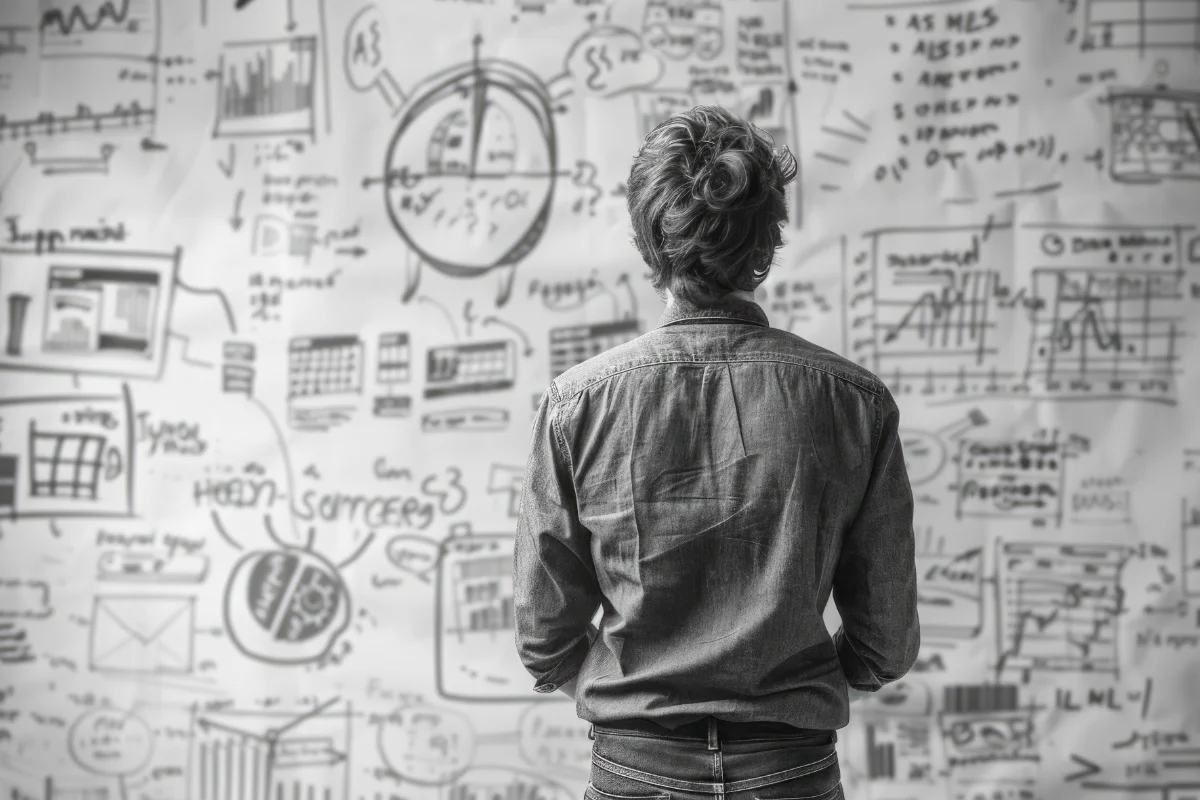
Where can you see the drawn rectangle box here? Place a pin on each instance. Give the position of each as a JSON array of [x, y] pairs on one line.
[[142, 634], [1010, 479], [68, 456], [474, 620], [267, 88], [86, 311], [471, 367], [27, 599]]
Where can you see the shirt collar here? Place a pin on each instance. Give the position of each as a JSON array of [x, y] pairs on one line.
[[729, 308]]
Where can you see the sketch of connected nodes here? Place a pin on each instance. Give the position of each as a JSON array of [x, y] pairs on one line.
[[469, 172], [288, 604]]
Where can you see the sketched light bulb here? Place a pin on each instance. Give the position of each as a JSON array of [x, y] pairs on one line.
[[285, 606]]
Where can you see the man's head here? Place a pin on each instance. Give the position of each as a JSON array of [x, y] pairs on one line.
[[707, 200]]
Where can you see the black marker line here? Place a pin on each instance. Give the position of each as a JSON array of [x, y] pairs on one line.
[[358, 551], [220, 527]]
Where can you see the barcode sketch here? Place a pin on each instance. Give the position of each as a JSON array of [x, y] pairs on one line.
[[1142, 25]]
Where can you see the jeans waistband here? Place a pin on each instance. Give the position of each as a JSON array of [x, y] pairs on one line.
[[711, 729]]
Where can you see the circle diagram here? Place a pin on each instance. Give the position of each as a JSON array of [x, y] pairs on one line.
[[469, 173], [285, 606]]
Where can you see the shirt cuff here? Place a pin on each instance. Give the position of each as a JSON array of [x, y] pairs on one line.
[[858, 674], [569, 667]]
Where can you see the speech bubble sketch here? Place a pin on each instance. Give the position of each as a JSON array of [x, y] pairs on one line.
[[365, 69], [113, 743], [416, 555], [609, 60], [427, 746]]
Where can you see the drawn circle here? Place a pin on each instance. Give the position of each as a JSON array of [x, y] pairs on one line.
[[426, 745], [415, 555], [924, 455], [363, 54], [285, 606], [469, 174], [1162, 67], [109, 742], [1053, 244]]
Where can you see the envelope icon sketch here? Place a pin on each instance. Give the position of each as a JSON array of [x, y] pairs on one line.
[[142, 633]]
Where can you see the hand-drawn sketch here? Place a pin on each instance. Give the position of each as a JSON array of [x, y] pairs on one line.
[[899, 730], [67, 456], [252, 754], [473, 615], [425, 745], [574, 344], [323, 371], [1140, 25], [1155, 134], [268, 88], [99, 66], [113, 743], [288, 605], [151, 634], [470, 368], [1058, 607], [1022, 478]]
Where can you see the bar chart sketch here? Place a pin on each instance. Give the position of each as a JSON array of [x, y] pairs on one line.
[[268, 88], [270, 755]]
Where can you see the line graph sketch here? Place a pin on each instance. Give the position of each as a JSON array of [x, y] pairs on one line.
[[99, 64], [470, 172], [1105, 324], [1058, 606], [1141, 25], [1108, 316], [1155, 135]]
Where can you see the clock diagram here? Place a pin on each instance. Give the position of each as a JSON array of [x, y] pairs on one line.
[[469, 173]]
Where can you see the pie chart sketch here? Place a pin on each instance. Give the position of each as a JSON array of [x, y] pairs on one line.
[[469, 173]]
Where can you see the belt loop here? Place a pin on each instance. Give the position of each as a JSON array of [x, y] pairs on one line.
[[592, 732], [713, 743]]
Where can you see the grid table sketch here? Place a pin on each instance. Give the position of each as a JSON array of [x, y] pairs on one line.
[[1155, 135], [1142, 25], [324, 365], [65, 464], [395, 357], [474, 367]]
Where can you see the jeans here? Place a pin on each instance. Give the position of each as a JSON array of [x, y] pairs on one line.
[[629, 765]]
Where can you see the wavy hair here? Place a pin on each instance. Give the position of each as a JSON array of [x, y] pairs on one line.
[[707, 200]]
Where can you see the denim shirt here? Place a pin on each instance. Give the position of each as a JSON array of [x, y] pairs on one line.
[[710, 484]]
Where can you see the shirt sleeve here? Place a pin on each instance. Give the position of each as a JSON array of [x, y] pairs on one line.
[[555, 591], [875, 585]]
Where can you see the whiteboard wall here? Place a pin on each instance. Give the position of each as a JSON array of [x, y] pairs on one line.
[[281, 282]]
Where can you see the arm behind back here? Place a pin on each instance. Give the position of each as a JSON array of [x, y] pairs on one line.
[[875, 583]]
